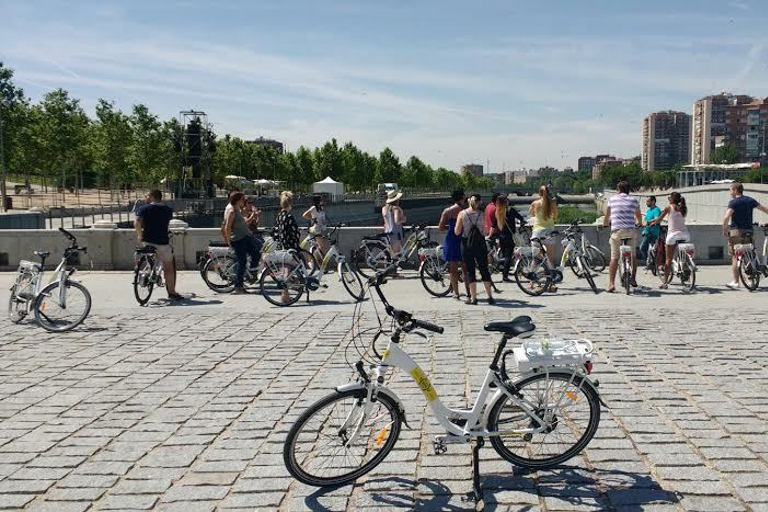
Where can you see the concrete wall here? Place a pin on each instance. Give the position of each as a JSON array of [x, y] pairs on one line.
[[112, 249], [707, 203]]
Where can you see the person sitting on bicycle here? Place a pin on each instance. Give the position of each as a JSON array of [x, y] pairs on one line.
[[452, 243], [319, 222], [238, 236], [151, 226], [544, 213], [650, 232], [394, 218], [470, 226], [252, 216], [677, 232], [504, 226], [737, 224], [623, 213]]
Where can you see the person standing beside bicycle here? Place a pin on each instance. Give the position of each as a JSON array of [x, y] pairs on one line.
[[452, 243], [489, 213], [394, 218], [471, 226], [151, 225], [544, 213], [503, 225], [737, 225], [287, 230], [650, 232], [623, 213], [677, 232], [238, 236], [319, 222]]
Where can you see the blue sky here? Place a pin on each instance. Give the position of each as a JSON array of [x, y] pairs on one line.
[[510, 82]]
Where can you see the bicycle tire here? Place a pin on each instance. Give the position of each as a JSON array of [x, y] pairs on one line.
[[433, 274], [371, 252], [595, 258], [293, 441], [530, 282], [314, 263], [749, 274], [688, 275], [143, 268], [351, 281], [42, 311], [222, 267], [587, 274], [576, 387], [626, 276], [15, 314], [291, 278]]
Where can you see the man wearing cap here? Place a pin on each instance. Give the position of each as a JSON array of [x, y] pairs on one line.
[[394, 218]]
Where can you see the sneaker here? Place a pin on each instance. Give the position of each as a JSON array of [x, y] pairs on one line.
[[239, 291], [733, 285], [175, 296], [663, 286], [472, 302], [633, 284], [491, 301]]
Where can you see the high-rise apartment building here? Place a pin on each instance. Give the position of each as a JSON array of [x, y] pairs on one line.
[[474, 169], [666, 140], [709, 124], [746, 128], [586, 163]]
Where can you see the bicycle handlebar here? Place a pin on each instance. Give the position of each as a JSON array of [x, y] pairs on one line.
[[421, 324], [68, 235]]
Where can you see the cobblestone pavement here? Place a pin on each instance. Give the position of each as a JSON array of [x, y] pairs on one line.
[[187, 409]]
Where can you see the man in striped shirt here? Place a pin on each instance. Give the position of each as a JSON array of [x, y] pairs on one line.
[[623, 213]]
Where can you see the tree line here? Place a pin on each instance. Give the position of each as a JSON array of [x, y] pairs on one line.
[[55, 143]]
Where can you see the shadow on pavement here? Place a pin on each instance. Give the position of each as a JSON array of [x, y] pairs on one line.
[[515, 303], [165, 302]]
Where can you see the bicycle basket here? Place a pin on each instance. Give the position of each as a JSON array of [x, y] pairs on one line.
[[218, 251], [279, 257], [431, 252], [534, 354], [687, 248], [25, 279], [740, 249]]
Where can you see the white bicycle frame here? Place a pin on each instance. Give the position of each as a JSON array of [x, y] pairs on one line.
[[60, 274], [476, 418]]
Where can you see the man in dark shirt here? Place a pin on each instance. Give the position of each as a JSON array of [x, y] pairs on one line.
[[737, 224], [151, 225]]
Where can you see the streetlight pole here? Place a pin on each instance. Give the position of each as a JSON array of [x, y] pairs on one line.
[[3, 192]]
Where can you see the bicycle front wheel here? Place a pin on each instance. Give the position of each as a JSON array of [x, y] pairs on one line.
[[58, 314], [334, 442], [587, 273], [351, 281], [435, 277], [218, 274], [531, 277], [595, 259], [570, 409], [142, 282], [282, 284], [749, 273], [370, 258]]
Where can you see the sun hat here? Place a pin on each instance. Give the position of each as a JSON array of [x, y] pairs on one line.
[[393, 195]]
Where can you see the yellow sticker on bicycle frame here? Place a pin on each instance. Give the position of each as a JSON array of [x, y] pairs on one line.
[[424, 384], [385, 356]]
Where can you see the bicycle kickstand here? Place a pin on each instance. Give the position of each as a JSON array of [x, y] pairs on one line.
[[476, 494]]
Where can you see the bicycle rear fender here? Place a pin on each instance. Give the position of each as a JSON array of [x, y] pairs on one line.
[[381, 390]]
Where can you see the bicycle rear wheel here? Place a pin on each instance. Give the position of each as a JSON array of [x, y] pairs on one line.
[[435, 277], [687, 274], [282, 284], [17, 308], [351, 281], [317, 450], [371, 257], [570, 408], [55, 317], [142, 282], [595, 258], [626, 276], [749, 273], [532, 277], [218, 274]]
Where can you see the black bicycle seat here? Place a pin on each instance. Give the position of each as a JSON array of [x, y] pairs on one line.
[[519, 325], [146, 250], [217, 243], [42, 254], [625, 241]]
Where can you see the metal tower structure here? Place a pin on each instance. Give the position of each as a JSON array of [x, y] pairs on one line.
[[195, 146]]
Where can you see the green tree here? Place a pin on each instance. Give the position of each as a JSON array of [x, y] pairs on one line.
[[725, 154], [112, 146], [417, 174], [146, 153], [328, 161], [306, 165], [389, 169]]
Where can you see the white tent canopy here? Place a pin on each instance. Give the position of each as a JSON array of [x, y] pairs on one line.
[[329, 186]]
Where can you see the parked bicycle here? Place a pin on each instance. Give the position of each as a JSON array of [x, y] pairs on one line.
[[683, 266], [539, 420], [751, 265], [218, 266], [63, 303], [594, 257], [287, 275], [375, 252], [656, 258], [625, 264], [434, 271]]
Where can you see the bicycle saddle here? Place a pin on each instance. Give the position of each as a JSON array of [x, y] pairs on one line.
[[217, 243], [42, 254], [519, 325], [146, 250]]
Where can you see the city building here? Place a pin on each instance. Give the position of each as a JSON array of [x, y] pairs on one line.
[[261, 141], [586, 163], [474, 169], [666, 140], [497, 177], [701, 174], [746, 128], [601, 161], [708, 124], [509, 177], [520, 176]]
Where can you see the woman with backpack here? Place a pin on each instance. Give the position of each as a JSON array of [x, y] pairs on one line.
[[503, 226], [470, 226]]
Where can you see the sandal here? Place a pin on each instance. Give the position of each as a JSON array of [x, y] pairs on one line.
[[610, 290]]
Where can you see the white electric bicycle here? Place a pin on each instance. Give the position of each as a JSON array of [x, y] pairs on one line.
[[539, 420], [59, 305]]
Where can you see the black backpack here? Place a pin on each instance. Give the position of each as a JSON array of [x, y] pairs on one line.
[[475, 240]]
